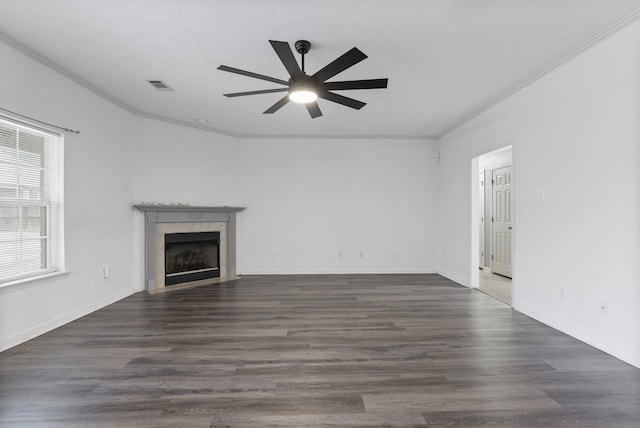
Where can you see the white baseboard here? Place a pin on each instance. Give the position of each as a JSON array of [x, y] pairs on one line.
[[455, 278], [47, 326], [337, 271], [626, 355]]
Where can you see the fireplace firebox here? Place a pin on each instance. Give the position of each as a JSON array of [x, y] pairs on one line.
[[191, 257]]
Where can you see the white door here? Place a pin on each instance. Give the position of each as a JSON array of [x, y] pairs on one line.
[[481, 214], [501, 222]]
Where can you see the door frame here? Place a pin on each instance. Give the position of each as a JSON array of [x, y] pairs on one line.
[[482, 233]]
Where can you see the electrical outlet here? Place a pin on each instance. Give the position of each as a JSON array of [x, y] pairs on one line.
[[562, 294], [106, 272]]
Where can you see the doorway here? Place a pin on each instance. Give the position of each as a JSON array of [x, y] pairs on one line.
[[495, 219]]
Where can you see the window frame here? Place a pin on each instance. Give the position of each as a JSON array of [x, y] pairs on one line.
[[51, 186]]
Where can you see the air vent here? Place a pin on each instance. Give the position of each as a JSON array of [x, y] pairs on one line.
[[160, 85]]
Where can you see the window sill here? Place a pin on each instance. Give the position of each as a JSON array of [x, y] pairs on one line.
[[29, 282]]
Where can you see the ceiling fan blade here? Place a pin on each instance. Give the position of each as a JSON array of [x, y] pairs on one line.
[[313, 109], [277, 106], [350, 58], [356, 84], [264, 91], [286, 56], [345, 101], [251, 74]]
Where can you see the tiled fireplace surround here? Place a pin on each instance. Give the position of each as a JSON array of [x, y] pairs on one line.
[[165, 219]]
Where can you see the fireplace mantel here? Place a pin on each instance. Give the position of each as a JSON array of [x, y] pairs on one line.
[[163, 218], [185, 208]]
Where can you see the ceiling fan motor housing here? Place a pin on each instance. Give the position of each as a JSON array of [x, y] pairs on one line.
[[303, 47], [303, 83]]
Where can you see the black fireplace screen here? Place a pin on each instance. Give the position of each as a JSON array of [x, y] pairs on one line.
[[191, 257]]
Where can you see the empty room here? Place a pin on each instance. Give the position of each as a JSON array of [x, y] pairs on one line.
[[356, 213]]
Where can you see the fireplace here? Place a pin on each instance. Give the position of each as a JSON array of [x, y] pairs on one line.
[[186, 245], [191, 257]]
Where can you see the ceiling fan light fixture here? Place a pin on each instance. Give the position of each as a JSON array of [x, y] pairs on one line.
[[303, 96], [303, 90]]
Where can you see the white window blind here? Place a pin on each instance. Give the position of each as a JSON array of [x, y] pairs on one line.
[[29, 202]]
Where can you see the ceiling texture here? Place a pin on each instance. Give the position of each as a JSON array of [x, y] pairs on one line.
[[446, 60]]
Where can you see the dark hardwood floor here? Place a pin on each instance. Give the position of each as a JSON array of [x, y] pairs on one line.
[[314, 351]]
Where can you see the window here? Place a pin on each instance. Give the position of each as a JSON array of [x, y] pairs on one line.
[[29, 201]]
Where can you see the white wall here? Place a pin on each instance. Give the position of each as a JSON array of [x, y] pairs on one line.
[[307, 200], [575, 137], [351, 206], [98, 191]]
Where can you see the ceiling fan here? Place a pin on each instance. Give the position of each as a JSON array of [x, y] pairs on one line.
[[306, 89]]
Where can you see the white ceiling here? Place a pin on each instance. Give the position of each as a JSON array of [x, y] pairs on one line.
[[446, 60]]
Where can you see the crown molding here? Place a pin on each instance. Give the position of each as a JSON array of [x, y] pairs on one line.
[[161, 118], [63, 71]]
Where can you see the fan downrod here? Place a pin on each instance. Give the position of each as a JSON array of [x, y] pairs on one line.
[[302, 47]]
